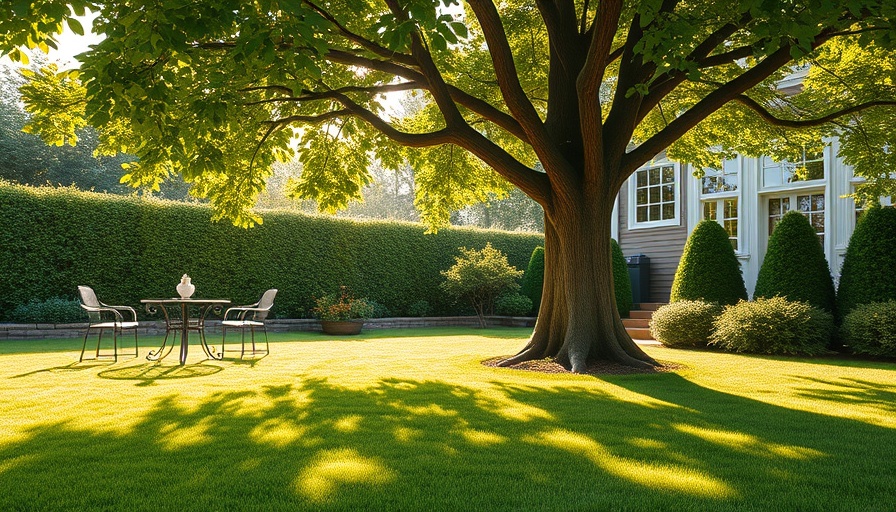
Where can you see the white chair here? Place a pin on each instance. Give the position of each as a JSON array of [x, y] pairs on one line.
[[250, 317], [104, 317]]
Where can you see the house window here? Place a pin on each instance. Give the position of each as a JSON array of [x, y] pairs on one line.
[[655, 197], [808, 165], [723, 211], [810, 205], [720, 180]]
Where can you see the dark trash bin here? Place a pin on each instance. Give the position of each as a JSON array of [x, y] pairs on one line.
[[639, 275]]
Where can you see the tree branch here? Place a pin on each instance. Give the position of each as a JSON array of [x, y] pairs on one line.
[[331, 94], [709, 104], [373, 47], [589, 82], [770, 118], [477, 105]]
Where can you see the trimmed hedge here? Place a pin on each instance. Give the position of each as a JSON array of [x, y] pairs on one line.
[[708, 270], [686, 323], [867, 274], [622, 284], [533, 279], [795, 267], [129, 248], [871, 329], [774, 326]]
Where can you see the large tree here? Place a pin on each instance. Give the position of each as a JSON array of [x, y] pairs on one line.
[[563, 99]]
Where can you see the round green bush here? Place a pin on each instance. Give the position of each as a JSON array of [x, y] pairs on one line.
[[513, 304], [533, 279], [871, 329], [773, 326], [867, 274], [621, 282], [56, 310], [708, 269], [419, 308], [686, 323], [795, 267]]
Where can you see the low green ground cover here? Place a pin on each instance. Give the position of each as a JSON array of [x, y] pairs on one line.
[[411, 420]]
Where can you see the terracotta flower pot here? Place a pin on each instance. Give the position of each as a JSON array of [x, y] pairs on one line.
[[342, 327]]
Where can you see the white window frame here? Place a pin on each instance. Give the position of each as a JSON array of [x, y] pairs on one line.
[[720, 197], [633, 223], [826, 171]]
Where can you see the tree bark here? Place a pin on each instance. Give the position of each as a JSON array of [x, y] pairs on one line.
[[578, 320]]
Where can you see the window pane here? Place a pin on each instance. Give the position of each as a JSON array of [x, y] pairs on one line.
[[668, 211], [733, 243], [709, 210], [642, 196], [731, 208], [642, 178], [654, 212], [654, 195], [655, 176], [785, 204], [668, 175], [774, 207], [731, 227], [817, 221], [804, 203], [771, 176], [818, 202], [668, 193], [709, 184], [642, 214]]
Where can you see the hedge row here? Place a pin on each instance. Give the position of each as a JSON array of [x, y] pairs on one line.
[[129, 248]]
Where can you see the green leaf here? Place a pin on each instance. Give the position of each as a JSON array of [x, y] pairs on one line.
[[75, 26]]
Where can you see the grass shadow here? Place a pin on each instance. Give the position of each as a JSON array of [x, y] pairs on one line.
[[661, 442]]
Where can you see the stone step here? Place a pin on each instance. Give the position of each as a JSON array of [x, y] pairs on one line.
[[638, 333], [649, 306], [641, 323], [640, 314]]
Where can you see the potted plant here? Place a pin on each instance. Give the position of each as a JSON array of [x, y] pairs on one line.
[[341, 313]]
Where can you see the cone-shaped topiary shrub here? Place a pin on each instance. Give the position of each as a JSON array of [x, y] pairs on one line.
[[795, 266], [868, 269], [533, 279], [621, 282], [708, 270]]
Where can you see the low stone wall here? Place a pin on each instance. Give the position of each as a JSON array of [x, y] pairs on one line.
[[149, 328]]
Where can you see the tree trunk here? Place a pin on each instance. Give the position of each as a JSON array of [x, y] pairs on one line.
[[578, 320]]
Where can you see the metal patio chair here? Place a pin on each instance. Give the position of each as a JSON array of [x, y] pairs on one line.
[[104, 317], [251, 316]]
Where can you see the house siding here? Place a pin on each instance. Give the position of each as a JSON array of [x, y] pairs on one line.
[[663, 245]]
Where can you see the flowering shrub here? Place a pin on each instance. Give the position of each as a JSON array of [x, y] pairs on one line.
[[342, 306]]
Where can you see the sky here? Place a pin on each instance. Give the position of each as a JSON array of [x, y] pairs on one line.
[[71, 44]]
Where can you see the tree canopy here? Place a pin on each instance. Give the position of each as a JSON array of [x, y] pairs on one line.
[[216, 91]]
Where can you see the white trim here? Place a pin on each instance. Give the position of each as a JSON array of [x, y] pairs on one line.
[[614, 226], [633, 224]]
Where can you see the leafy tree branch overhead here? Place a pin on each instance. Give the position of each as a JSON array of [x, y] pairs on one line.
[[563, 99]]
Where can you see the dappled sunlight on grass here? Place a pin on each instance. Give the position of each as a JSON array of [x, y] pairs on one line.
[[674, 478], [277, 432], [176, 436], [416, 422], [335, 468], [748, 444]]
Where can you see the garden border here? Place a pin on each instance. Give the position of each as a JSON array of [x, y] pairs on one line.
[[10, 331]]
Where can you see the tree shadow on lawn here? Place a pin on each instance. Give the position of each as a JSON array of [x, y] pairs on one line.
[[658, 442], [850, 391]]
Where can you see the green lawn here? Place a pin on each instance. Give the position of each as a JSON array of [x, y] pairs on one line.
[[410, 420]]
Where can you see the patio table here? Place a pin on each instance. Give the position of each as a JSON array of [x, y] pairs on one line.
[[185, 323]]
